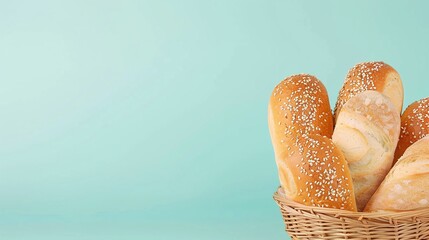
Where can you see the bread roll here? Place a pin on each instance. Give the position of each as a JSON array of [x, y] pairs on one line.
[[315, 173], [414, 125], [406, 187], [367, 131], [299, 105], [312, 170], [371, 76]]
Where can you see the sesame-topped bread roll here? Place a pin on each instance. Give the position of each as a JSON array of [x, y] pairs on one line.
[[315, 173], [377, 76], [299, 105], [406, 187], [312, 170], [414, 125], [367, 131]]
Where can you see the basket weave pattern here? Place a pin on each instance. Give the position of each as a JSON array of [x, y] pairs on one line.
[[305, 222]]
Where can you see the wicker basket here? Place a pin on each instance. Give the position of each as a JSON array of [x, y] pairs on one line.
[[304, 222]]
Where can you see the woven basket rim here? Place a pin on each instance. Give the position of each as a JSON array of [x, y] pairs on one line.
[[411, 215]]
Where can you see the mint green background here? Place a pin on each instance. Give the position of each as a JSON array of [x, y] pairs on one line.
[[147, 120]]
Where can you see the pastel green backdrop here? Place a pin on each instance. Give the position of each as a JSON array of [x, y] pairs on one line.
[[147, 120]]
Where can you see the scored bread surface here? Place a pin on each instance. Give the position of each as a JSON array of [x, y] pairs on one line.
[[367, 131], [406, 187]]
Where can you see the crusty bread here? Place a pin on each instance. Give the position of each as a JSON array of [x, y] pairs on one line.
[[367, 131], [299, 105], [315, 173], [406, 187], [414, 125], [312, 170], [377, 76]]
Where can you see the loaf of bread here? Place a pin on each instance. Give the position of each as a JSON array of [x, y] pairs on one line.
[[367, 131], [406, 187], [315, 173], [312, 170], [299, 105], [414, 125], [376, 76]]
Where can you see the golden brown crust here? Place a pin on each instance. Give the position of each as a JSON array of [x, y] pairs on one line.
[[312, 170], [414, 125], [377, 76], [299, 105], [320, 176]]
